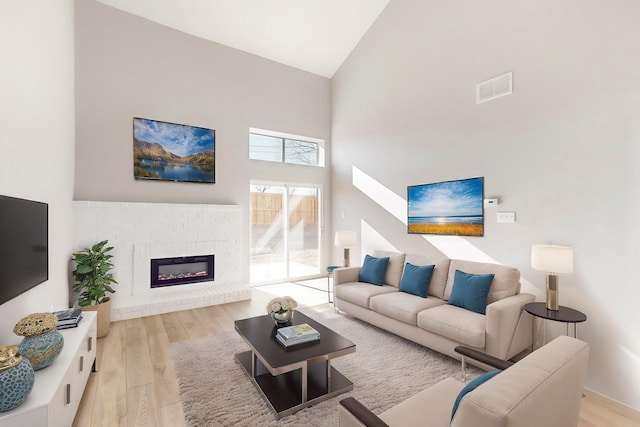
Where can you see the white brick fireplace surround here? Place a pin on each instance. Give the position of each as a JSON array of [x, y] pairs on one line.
[[141, 231]]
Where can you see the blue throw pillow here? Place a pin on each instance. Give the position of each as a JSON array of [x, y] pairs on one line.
[[416, 279], [470, 291], [373, 270], [470, 387]]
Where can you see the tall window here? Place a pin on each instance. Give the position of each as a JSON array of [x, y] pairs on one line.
[[283, 148]]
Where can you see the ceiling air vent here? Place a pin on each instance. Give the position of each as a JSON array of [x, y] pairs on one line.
[[494, 88]]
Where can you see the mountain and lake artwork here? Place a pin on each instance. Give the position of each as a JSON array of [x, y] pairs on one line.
[[173, 152], [447, 208]]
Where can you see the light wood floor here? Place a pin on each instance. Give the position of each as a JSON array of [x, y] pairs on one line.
[[136, 383]]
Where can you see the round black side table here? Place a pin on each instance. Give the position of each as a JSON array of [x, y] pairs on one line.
[[563, 314]]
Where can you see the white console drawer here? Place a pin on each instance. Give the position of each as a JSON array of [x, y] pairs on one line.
[[58, 388]]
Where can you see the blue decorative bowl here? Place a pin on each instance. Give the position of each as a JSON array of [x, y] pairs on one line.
[[43, 349], [16, 379]]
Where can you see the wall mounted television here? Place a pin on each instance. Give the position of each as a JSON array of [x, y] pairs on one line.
[[24, 246], [165, 151], [447, 208]]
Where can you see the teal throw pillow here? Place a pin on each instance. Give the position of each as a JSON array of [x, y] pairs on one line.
[[416, 279], [472, 386], [470, 291], [373, 270]]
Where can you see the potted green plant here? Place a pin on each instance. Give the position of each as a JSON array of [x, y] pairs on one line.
[[93, 282]]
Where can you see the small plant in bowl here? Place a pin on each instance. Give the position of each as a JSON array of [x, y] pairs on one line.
[[281, 309]]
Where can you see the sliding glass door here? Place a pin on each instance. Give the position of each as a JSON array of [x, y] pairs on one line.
[[303, 235], [285, 232]]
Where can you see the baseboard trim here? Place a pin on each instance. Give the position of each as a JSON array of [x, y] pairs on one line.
[[623, 406]]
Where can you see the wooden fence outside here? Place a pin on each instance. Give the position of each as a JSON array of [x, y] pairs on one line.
[[267, 207]]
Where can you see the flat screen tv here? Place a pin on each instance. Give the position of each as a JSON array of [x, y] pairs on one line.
[[171, 152], [24, 246], [447, 208]]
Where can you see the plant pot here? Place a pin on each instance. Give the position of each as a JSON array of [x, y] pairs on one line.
[[103, 312]]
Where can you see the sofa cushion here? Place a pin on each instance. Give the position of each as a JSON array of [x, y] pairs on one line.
[[360, 293], [402, 306], [505, 283], [472, 385], [455, 323], [470, 291], [416, 279], [394, 268], [440, 272], [373, 270]]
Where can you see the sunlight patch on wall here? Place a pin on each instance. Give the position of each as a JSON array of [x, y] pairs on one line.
[[372, 240], [451, 246], [387, 199]]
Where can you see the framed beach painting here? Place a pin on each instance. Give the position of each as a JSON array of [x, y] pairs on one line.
[[172, 152], [446, 208]]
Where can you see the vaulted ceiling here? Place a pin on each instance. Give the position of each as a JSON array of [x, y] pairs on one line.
[[312, 35]]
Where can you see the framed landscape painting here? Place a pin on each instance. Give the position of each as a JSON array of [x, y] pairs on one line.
[[171, 152], [447, 208]]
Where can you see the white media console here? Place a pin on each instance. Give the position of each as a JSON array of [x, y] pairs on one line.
[[58, 388]]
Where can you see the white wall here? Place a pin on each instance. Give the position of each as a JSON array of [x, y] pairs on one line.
[[562, 151], [37, 139], [130, 67]]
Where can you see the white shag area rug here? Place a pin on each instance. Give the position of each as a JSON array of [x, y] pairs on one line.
[[385, 370]]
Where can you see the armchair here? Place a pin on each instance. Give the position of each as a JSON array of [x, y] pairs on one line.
[[544, 388]]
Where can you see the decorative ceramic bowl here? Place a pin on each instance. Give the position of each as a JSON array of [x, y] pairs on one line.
[[43, 349], [42, 342], [16, 378]]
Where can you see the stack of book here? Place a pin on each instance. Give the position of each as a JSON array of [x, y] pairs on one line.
[[297, 334], [69, 318]]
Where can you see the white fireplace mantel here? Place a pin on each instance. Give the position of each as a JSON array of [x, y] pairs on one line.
[[141, 231]]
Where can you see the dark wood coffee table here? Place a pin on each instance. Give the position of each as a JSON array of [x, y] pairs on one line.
[[290, 379]]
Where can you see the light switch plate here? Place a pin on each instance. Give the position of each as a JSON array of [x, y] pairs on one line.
[[506, 217]]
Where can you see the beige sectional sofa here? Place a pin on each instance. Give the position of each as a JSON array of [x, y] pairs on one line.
[[504, 331]]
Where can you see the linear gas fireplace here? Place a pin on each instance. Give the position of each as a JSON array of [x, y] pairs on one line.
[[181, 270]]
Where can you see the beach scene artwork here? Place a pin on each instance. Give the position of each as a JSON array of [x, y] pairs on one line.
[[447, 208], [173, 152]]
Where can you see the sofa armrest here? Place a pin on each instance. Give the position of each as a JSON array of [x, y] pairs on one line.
[[483, 357], [509, 329], [345, 275], [363, 416]]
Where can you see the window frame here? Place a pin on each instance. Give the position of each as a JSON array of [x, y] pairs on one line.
[[284, 137]]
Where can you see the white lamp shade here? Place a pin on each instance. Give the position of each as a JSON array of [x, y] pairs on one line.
[[346, 238], [552, 258]]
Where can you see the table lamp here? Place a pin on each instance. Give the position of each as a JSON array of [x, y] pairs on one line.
[[346, 239], [552, 259]]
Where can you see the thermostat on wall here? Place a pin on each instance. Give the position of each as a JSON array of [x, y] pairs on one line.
[[490, 202]]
